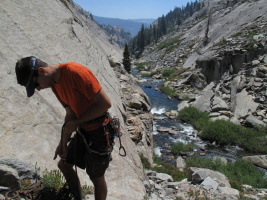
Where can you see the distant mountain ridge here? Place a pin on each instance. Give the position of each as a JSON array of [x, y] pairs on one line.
[[133, 26]]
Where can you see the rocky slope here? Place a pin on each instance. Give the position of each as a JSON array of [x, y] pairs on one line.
[[30, 127], [223, 45]]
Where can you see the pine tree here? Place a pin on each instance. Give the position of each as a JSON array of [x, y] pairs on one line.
[[142, 38], [126, 61], [163, 25]]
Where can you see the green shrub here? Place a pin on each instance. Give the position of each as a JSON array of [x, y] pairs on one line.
[[245, 173], [178, 72], [193, 116], [238, 172], [112, 63], [197, 161], [168, 91], [168, 72], [162, 167], [145, 74], [179, 147], [221, 131], [251, 34], [168, 43], [145, 162], [53, 178], [142, 66], [87, 190], [225, 132]]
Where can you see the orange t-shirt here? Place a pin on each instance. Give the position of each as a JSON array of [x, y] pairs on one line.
[[76, 87]]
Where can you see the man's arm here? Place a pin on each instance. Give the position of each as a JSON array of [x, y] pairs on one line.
[[62, 146], [100, 106]]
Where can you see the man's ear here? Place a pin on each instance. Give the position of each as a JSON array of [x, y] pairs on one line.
[[41, 70]]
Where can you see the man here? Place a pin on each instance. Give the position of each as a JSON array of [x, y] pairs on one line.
[[84, 100]]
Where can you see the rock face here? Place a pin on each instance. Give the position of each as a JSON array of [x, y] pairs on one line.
[[30, 127]]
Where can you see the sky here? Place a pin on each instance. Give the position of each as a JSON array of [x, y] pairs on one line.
[[130, 9]]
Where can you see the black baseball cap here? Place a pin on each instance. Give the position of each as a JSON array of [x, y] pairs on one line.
[[26, 69]]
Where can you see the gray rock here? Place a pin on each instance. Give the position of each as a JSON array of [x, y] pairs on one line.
[[209, 87], [183, 105], [218, 104], [253, 121], [244, 105], [9, 177], [214, 114], [164, 177], [25, 170], [210, 183], [203, 102], [180, 163], [235, 121], [198, 175], [255, 62], [222, 117], [229, 191], [260, 160]]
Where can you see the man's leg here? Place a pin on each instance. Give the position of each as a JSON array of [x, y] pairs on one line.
[[101, 189], [71, 178]]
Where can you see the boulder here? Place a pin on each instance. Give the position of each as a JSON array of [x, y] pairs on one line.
[[163, 177], [180, 163], [254, 121], [139, 102], [258, 160], [236, 86], [210, 183], [203, 102], [244, 105], [182, 105], [218, 104], [229, 191], [198, 175], [24, 169], [9, 177]]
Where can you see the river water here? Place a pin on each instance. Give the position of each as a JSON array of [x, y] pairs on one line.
[[182, 132]]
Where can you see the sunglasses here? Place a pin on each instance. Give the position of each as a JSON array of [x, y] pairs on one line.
[[33, 68], [36, 84]]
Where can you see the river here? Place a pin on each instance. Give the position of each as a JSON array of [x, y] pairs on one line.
[[183, 132]]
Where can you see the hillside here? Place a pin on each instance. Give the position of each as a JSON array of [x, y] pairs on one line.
[[132, 26], [221, 45], [117, 35]]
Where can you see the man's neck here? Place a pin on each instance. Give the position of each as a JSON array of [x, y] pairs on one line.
[[56, 72]]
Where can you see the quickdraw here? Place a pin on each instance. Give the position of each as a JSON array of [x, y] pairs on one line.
[[115, 124]]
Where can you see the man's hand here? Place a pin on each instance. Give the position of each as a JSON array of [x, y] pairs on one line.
[[61, 151]]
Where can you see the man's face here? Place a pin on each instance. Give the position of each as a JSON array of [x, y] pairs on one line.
[[42, 81]]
